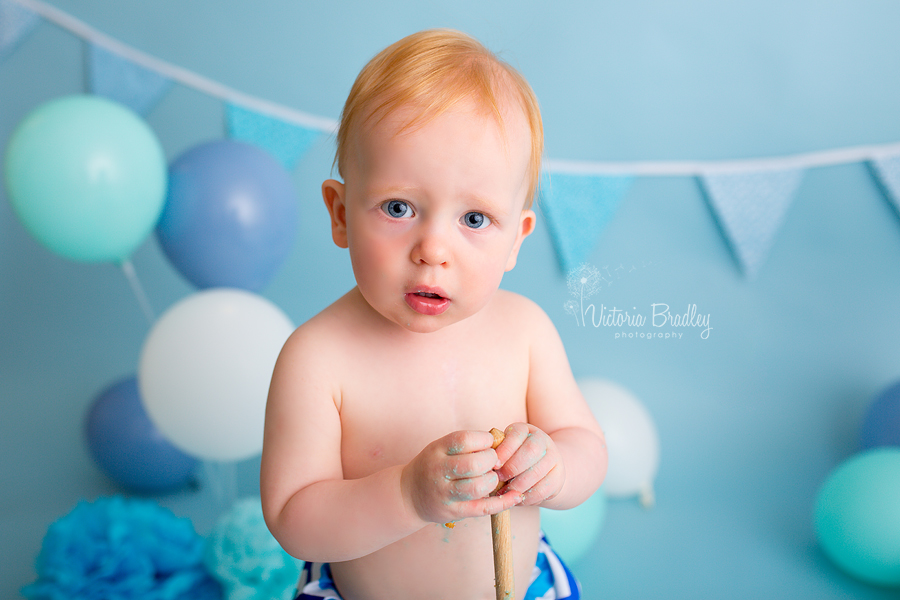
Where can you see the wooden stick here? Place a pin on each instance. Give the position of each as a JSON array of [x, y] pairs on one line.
[[501, 535]]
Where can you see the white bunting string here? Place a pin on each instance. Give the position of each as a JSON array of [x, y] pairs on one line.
[[176, 73], [711, 167], [727, 182], [575, 167]]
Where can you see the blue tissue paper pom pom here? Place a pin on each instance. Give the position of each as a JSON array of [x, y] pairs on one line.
[[122, 549], [246, 559]]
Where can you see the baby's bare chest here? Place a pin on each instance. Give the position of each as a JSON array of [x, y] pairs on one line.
[[394, 404]]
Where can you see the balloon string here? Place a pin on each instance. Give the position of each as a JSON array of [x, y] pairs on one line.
[[222, 480], [137, 289]]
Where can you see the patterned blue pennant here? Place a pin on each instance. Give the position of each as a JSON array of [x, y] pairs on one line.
[[577, 208], [119, 79], [285, 141], [750, 207], [16, 22], [887, 172]]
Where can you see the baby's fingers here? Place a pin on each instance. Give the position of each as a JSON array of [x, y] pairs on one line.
[[529, 452], [545, 489], [492, 504], [473, 464], [514, 436], [464, 442], [530, 477], [473, 488]]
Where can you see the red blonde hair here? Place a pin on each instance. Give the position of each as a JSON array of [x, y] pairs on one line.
[[432, 71]]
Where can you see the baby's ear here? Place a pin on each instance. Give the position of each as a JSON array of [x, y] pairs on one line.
[[333, 194], [526, 226]]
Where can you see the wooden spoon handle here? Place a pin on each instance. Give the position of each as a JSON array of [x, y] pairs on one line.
[[501, 535]]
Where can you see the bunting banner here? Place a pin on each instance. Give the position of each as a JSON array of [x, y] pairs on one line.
[[16, 22], [887, 171], [120, 79], [750, 207], [577, 208], [748, 198], [285, 141]]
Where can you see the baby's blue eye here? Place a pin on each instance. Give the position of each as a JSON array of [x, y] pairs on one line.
[[397, 209], [476, 220]]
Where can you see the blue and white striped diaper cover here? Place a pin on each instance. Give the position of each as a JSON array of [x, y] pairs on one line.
[[550, 580]]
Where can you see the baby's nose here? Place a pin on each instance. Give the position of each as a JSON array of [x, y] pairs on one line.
[[432, 248]]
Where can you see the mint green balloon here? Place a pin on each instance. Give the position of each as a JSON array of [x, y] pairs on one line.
[[857, 516], [87, 177], [572, 533]]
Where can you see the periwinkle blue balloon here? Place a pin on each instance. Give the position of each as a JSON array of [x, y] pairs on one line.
[[230, 217], [857, 516], [129, 448], [882, 423]]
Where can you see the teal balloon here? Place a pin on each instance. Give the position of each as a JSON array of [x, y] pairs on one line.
[[87, 178], [857, 516], [572, 533]]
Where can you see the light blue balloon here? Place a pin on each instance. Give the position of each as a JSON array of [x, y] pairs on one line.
[[231, 215], [572, 532], [87, 178], [857, 516]]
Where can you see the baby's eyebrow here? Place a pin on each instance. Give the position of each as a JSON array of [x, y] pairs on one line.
[[479, 203], [393, 191]]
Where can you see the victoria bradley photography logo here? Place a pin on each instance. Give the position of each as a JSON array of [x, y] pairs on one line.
[[657, 320]]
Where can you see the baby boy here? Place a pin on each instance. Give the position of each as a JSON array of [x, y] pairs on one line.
[[377, 463]]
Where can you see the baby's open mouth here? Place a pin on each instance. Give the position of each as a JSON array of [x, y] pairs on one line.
[[427, 303]]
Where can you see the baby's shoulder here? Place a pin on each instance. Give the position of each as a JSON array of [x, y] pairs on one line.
[[518, 311], [323, 336]]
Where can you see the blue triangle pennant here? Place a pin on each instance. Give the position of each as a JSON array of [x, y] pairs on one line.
[[16, 22], [887, 172], [750, 207], [286, 141], [577, 209], [119, 79]]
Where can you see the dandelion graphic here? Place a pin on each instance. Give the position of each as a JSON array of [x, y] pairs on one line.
[[583, 282], [571, 307]]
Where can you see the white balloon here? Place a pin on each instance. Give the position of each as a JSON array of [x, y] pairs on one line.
[[205, 369], [631, 439]]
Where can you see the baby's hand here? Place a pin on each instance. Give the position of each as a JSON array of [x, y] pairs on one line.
[[453, 477], [532, 464]]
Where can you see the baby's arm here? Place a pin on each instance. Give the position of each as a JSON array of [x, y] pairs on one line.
[[557, 459], [313, 511]]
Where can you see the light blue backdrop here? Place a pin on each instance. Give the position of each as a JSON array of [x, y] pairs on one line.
[[751, 420]]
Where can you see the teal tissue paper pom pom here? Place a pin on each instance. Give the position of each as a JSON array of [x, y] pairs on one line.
[[122, 549], [246, 559]]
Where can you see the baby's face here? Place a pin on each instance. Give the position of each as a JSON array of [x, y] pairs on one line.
[[434, 214]]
